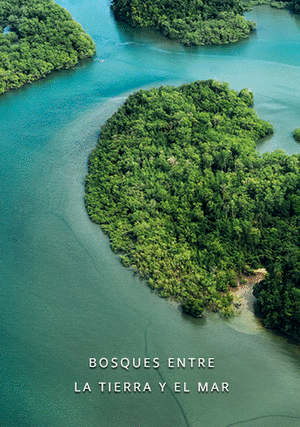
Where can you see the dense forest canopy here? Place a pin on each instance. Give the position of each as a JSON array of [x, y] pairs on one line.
[[40, 36], [177, 184], [193, 22]]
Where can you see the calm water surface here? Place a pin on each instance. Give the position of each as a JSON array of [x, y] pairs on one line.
[[64, 295]]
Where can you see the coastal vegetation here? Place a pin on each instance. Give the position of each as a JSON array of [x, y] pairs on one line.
[[36, 38], [197, 22], [176, 183], [277, 4], [160, 184], [278, 295], [297, 134], [294, 6]]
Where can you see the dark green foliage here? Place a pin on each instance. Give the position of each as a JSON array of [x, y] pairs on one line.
[[177, 185], [278, 296], [43, 37], [193, 22], [294, 6], [297, 134], [193, 306]]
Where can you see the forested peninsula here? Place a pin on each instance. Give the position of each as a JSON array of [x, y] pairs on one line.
[[192, 22], [176, 183], [36, 38]]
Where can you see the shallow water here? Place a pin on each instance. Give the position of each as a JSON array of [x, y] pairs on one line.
[[64, 295]]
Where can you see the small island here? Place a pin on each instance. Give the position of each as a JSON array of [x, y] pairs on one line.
[[187, 202], [38, 37], [199, 22]]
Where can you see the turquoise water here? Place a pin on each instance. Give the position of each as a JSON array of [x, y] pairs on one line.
[[64, 295]]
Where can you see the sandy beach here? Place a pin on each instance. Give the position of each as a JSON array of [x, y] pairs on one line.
[[245, 291], [245, 319]]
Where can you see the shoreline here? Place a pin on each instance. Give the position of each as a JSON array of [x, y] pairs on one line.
[[244, 292], [244, 319]]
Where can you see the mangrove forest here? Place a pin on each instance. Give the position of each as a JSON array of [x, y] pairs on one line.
[[38, 37], [192, 22], [176, 183]]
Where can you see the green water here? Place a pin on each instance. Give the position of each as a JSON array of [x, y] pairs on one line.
[[64, 295]]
